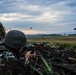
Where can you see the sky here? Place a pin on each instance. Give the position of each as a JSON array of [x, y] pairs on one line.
[[39, 16]]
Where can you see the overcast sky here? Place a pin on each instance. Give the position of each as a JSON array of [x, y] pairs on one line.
[[44, 16]]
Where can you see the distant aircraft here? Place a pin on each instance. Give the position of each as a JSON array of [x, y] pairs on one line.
[[30, 27], [74, 28]]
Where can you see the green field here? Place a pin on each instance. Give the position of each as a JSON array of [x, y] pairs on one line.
[[59, 39], [67, 41]]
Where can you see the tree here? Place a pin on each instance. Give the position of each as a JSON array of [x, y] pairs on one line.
[[2, 32]]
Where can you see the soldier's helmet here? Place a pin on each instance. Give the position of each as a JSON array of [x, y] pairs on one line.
[[14, 39]]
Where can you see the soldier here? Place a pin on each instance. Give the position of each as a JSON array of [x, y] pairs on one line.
[[15, 41]]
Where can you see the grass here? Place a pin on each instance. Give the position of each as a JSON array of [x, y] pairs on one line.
[[59, 39], [67, 41], [47, 67]]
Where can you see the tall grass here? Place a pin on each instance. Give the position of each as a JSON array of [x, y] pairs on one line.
[[47, 67]]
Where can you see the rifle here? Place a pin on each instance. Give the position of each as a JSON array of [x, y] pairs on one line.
[[31, 47]]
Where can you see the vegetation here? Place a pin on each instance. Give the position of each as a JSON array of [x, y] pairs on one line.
[[67, 47], [46, 67], [60, 41], [56, 57], [2, 32]]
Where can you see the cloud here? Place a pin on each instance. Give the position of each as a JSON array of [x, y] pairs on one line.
[[51, 16]]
